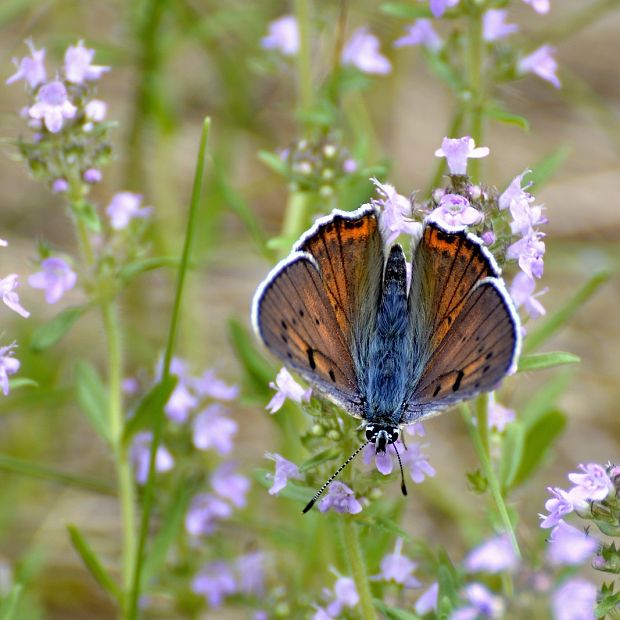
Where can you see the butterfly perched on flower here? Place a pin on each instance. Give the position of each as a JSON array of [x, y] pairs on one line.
[[340, 311]]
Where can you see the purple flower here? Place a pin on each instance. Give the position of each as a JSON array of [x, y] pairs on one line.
[[30, 68], [208, 385], [575, 599], [427, 601], [499, 416], [204, 512], [287, 387], [454, 211], [529, 251], [399, 568], [180, 403], [53, 106], [421, 32], [215, 582], [140, 455], [10, 297], [522, 293], [540, 6], [439, 7], [250, 569], [95, 110], [494, 25], [594, 484], [416, 429], [8, 366], [60, 186], [482, 604], [493, 556], [92, 175], [340, 498], [569, 545], [362, 51], [55, 278], [515, 193], [458, 150], [395, 213], [488, 237], [557, 506], [349, 166], [78, 65], [284, 470], [345, 595], [283, 36], [411, 457], [542, 63], [214, 431], [321, 614], [123, 207], [230, 485]]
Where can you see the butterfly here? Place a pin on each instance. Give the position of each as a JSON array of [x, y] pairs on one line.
[[340, 312]]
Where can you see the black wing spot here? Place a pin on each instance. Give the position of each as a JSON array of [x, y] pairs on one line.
[[288, 354], [317, 321], [284, 325], [478, 338], [332, 375], [449, 319], [457, 383], [437, 390], [284, 338], [301, 313], [486, 369], [445, 253], [477, 384], [294, 321], [489, 355], [311, 361]]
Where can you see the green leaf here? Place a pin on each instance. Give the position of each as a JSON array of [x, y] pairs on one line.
[[608, 604], [392, 613], [557, 320], [444, 71], [405, 11], [384, 524], [51, 332], [329, 454], [550, 359], [544, 399], [153, 401], [448, 580], [301, 494], [10, 603], [274, 162], [92, 397], [283, 242], [92, 563], [88, 213], [148, 264], [538, 439], [545, 168], [19, 382], [497, 112], [512, 454]]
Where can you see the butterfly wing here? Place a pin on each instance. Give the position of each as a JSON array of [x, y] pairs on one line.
[[463, 319]]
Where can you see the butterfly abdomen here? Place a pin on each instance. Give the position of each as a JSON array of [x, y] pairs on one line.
[[389, 352]]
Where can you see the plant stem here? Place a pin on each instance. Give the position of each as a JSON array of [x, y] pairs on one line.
[[482, 418], [296, 216], [489, 472], [358, 568], [304, 57], [475, 48]]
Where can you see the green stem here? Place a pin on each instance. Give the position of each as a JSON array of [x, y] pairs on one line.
[[489, 472], [358, 568], [475, 48], [158, 422], [296, 216], [482, 418], [304, 57]]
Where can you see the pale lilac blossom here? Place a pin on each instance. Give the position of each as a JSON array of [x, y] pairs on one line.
[[215, 582], [230, 485], [204, 513], [95, 110], [31, 68], [345, 595], [59, 186], [9, 365], [522, 293], [349, 166], [416, 429], [140, 454], [340, 498], [78, 64], [3, 243], [286, 387], [593, 484], [482, 604], [488, 237], [454, 211], [9, 295], [92, 175], [439, 7], [558, 507], [250, 569], [411, 457], [285, 470], [569, 545], [495, 555], [394, 213], [575, 599], [427, 601], [180, 403], [209, 385], [55, 278], [458, 150], [399, 568], [540, 6], [214, 431], [499, 416], [529, 252], [515, 192], [123, 207], [53, 106], [421, 32], [362, 51], [283, 35], [494, 25], [542, 63]]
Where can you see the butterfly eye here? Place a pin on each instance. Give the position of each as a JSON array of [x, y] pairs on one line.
[[370, 433]]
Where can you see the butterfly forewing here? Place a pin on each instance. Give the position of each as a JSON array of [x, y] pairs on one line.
[[296, 321]]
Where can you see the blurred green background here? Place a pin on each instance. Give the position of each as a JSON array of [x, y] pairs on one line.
[[176, 61]]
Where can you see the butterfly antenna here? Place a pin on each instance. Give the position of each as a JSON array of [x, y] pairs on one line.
[[334, 475], [403, 487]]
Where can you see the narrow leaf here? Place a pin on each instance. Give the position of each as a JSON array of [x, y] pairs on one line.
[[92, 563], [500, 114], [19, 382], [512, 453], [148, 264], [274, 162], [329, 454], [92, 398], [545, 398], [392, 613], [8, 609], [557, 320], [545, 168], [50, 333], [405, 11], [540, 361]]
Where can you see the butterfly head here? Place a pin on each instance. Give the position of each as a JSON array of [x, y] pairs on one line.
[[382, 436]]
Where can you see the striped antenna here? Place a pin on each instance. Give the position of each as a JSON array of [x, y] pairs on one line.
[[320, 491], [403, 487]]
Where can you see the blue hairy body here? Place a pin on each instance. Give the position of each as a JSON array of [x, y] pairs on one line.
[[390, 348]]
